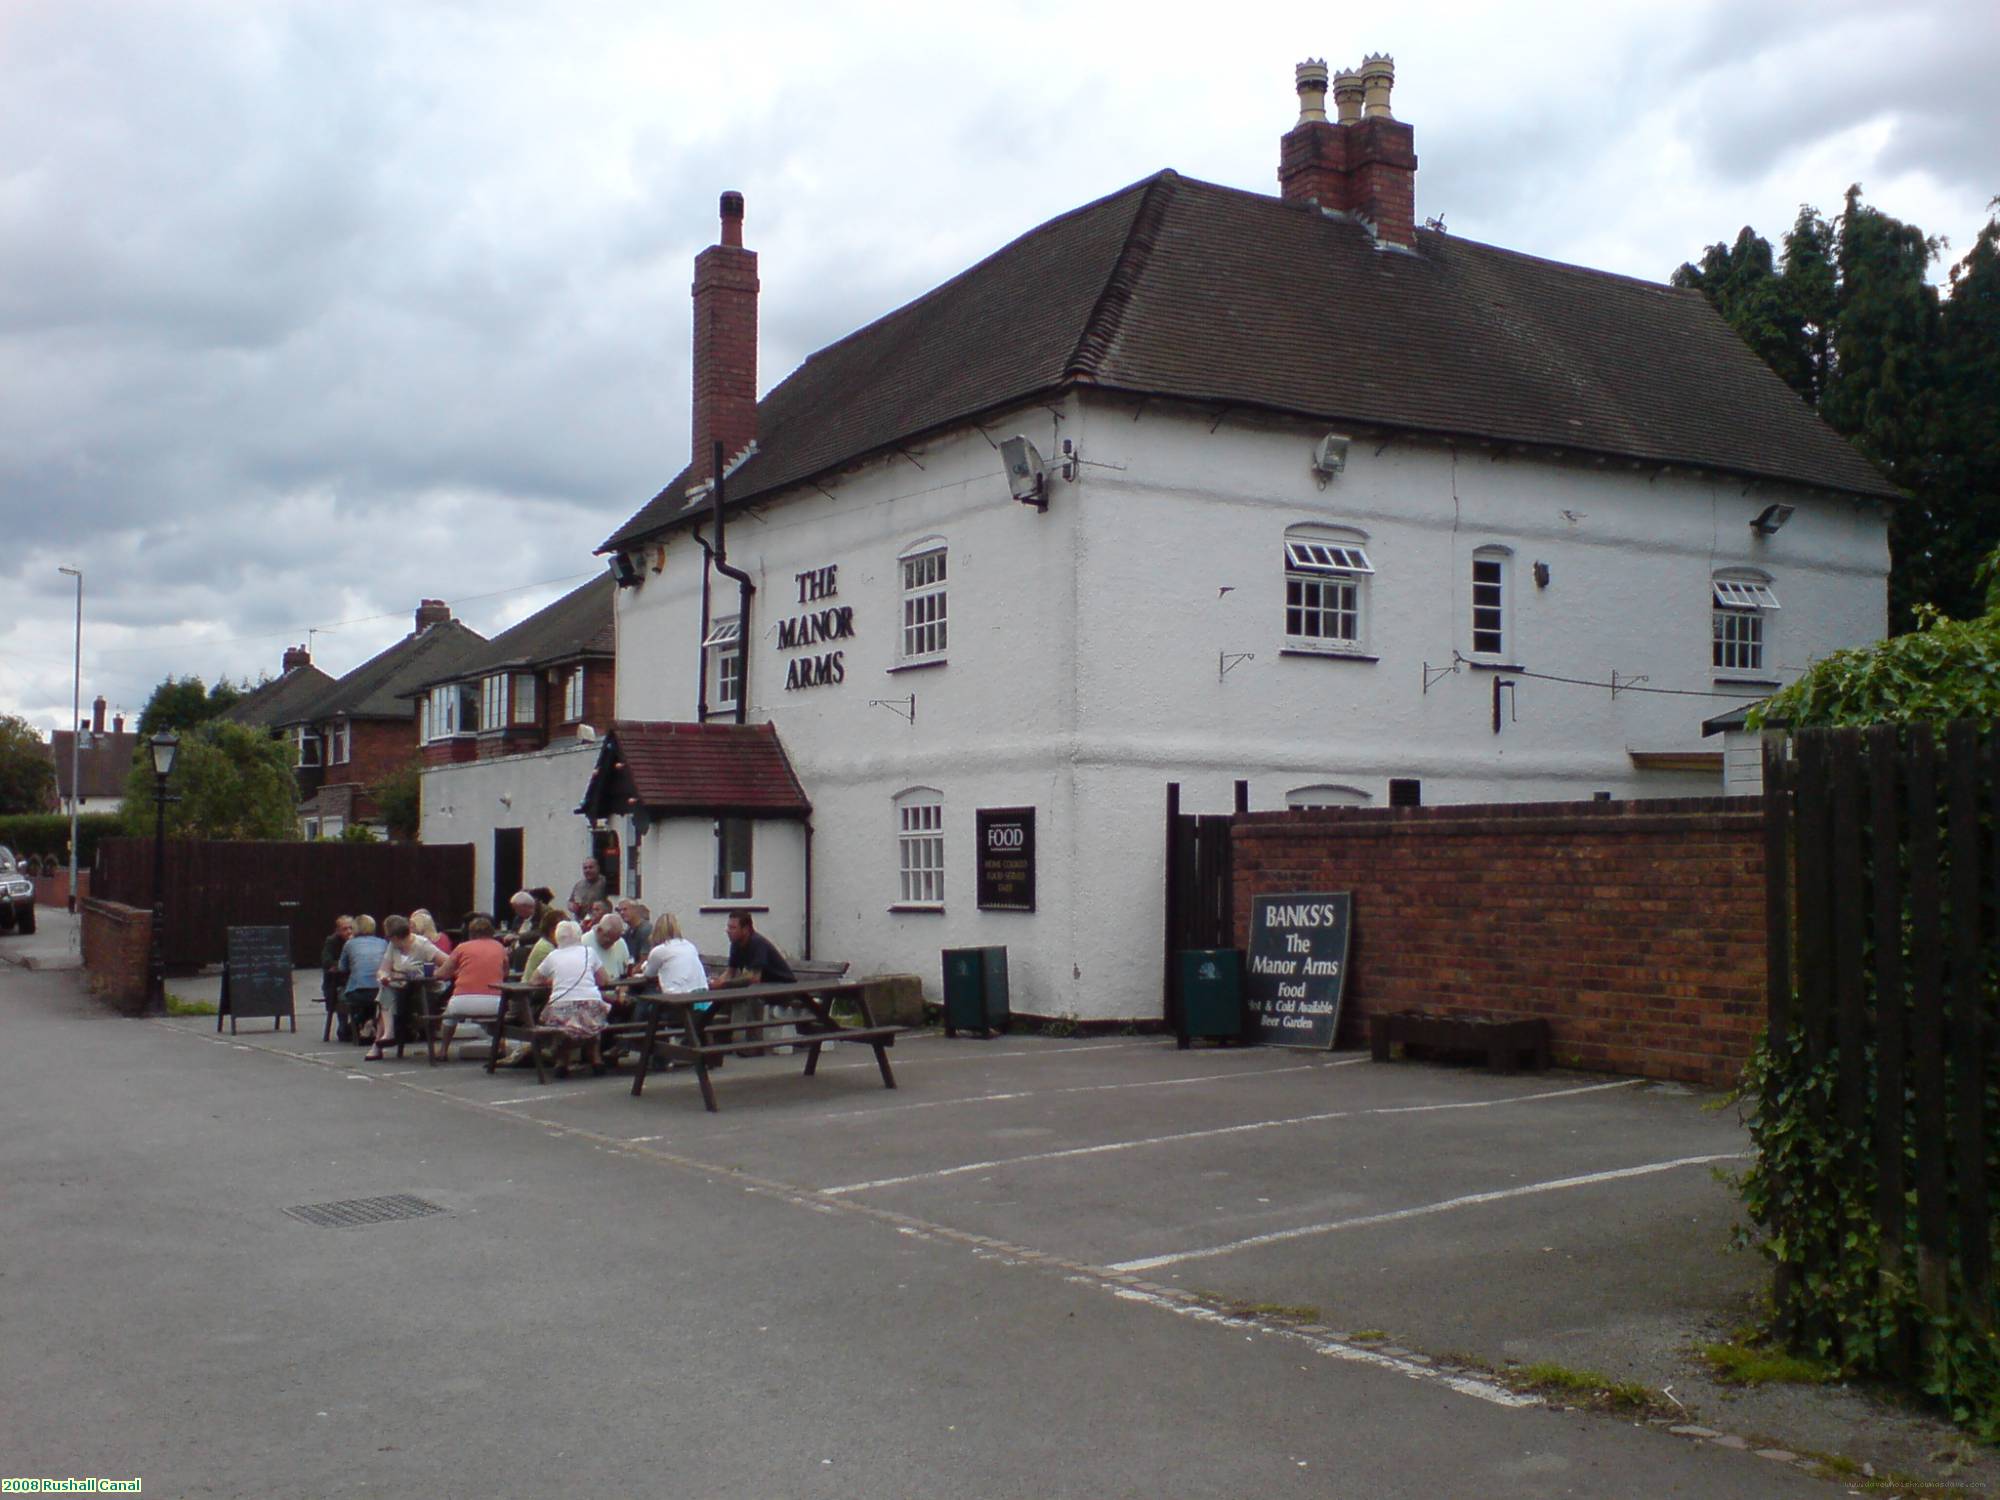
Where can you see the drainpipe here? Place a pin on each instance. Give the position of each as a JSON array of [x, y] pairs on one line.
[[701, 650], [747, 587], [808, 825]]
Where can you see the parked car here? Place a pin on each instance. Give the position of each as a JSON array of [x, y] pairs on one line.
[[17, 895]]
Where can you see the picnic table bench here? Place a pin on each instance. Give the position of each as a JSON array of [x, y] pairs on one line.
[[677, 1032]]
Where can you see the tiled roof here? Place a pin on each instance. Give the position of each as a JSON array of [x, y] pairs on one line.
[[374, 689], [1174, 287], [578, 624], [271, 703], [672, 769], [102, 764]]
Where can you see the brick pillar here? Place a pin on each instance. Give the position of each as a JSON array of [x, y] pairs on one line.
[[725, 342]]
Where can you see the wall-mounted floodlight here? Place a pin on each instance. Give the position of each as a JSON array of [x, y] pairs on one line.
[[1027, 476], [1770, 518], [1329, 456]]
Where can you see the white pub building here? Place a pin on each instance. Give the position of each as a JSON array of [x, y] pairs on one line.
[[1194, 485]]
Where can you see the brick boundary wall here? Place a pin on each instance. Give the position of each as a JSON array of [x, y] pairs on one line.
[[117, 948], [1635, 928]]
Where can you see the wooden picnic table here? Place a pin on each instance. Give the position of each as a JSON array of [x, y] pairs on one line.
[[678, 1032]]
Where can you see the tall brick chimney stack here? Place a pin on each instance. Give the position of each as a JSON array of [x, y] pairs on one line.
[[725, 342], [297, 656], [97, 715], [1363, 163], [431, 612]]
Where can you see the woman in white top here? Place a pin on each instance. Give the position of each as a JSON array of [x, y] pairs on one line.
[[674, 961], [572, 974]]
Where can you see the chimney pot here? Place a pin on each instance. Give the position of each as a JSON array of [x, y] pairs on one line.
[[97, 715], [1311, 76], [297, 656], [1378, 77], [732, 219], [1347, 95]]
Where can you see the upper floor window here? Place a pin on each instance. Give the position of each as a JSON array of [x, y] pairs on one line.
[[1326, 589], [524, 697], [1743, 605], [923, 633], [573, 695], [337, 743], [724, 646], [305, 745], [454, 710], [1489, 601], [493, 700], [920, 846], [424, 720]]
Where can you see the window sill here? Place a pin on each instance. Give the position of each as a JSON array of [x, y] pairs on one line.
[[1490, 665], [1326, 655], [710, 908], [918, 666], [933, 908]]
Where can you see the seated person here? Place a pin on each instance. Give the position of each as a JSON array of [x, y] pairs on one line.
[[608, 938], [425, 925], [359, 960], [330, 976], [753, 958], [408, 959], [639, 939], [524, 926], [480, 966], [675, 965], [575, 1007]]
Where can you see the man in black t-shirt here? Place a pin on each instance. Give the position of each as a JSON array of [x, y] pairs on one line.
[[753, 958]]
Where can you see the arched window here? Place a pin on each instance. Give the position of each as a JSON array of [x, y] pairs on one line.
[[1741, 612], [922, 568], [920, 846], [1327, 576], [1327, 794]]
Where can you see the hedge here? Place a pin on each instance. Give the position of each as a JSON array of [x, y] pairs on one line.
[[48, 833]]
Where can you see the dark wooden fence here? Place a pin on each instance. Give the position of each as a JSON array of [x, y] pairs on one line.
[[213, 885], [1882, 839]]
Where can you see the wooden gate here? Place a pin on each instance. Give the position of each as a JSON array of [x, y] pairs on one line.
[[1201, 908], [1883, 886]]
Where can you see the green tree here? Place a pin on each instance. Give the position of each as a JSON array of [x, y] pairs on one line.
[[27, 774], [1742, 281], [400, 796], [232, 782], [181, 703]]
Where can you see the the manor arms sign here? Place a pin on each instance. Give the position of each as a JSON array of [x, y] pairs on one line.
[[815, 627]]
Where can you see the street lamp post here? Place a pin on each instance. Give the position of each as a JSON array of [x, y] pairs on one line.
[[76, 727], [163, 746]]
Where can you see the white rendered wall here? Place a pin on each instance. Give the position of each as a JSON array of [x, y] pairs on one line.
[[677, 873], [462, 804], [1086, 647]]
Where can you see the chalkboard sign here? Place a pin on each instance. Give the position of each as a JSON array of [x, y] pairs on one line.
[[1297, 967], [257, 977], [1006, 856]]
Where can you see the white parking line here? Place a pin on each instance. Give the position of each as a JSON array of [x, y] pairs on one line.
[[1199, 1135], [541, 1095], [1469, 1200]]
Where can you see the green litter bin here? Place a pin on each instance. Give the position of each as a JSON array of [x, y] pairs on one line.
[[1212, 994], [975, 990]]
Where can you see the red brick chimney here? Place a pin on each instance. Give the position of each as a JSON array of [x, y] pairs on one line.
[[725, 343], [97, 715], [297, 656], [118, 724], [431, 612], [1365, 163]]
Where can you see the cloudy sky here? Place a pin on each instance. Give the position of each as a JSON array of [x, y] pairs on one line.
[[309, 310]]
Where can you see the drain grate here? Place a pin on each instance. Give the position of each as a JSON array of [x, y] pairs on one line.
[[358, 1211]]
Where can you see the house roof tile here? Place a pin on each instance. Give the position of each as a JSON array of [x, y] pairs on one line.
[[271, 703], [1181, 288], [374, 690], [672, 769], [576, 625]]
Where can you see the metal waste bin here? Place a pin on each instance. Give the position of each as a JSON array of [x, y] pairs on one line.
[[975, 990], [1212, 994]]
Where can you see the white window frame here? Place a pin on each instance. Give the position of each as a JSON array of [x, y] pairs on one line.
[[444, 712], [725, 867], [524, 698], [920, 848], [493, 700], [1741, 609], [724, 645], [1327, 584], [1491, 597], [923, 613], [305, 747], [1326, 794], [573, 695], [339, 742]]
